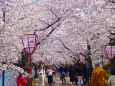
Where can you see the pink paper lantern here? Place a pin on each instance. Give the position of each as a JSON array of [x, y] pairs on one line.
[[29, 42], [82, 58], [110, 51], [49, 57]]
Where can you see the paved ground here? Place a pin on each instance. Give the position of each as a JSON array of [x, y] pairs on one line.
[[57, 83]]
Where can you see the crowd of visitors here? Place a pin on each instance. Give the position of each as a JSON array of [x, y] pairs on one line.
[[79, 74]]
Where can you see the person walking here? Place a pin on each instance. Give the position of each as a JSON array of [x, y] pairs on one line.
[[42, 73], [50, 75], [79, 72], [19, 79], [99, 76], [89, 73], [25, 79], [54, 74], [85, 72], [72, 74], [22, 80], [60, 72], [63, 74]]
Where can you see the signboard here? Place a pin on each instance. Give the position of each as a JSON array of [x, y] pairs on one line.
[[110, 51]]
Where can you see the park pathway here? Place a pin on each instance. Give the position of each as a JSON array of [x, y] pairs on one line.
[[58, 83]]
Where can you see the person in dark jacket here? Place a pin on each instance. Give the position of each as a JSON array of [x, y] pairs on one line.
[[90, 70], [72, 73], [85, 72], [60, 72], [63, 74], [79, 72]]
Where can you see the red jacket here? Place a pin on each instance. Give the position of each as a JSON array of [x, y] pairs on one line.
[[25, 81], [21, 81]]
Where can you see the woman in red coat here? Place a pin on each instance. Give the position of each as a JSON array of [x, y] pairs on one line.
[[21, 80], [25, 81]]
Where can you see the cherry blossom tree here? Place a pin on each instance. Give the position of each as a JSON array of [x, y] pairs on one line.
[[64, 28]]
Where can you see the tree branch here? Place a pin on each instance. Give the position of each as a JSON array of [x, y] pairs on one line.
[[50, 25], [53, 13], [67, 47], [43, 21], [51, 30]]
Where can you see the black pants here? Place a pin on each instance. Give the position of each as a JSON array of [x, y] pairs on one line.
[[50, 79], [76, 79], [63, 78]]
